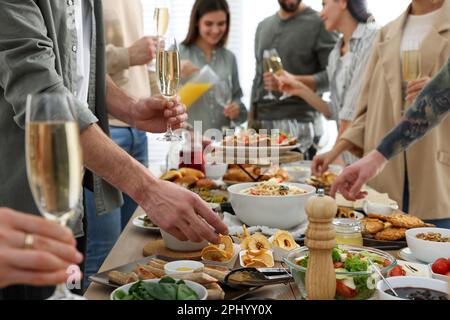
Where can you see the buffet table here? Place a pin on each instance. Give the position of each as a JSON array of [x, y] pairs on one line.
[[129, 248]]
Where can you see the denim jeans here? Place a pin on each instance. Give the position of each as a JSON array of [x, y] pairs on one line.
[[103, 231]]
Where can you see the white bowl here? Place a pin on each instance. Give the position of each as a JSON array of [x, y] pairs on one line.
[[215, 171], [438, 276], [282, 212], [428, 251], [198, 288], [414, 282], [174, 244], [379, 208], [187, 266], [297, 172]]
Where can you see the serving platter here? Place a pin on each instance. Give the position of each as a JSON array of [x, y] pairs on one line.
[[102, 278]]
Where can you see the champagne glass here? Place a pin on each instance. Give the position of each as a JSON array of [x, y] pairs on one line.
[[224, 95], [268, 68], [168, 75], [410, 62], [161, 23], [277, 67], [305, 136], [54, 161]]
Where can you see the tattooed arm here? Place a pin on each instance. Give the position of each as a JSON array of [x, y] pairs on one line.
[[427, 111]]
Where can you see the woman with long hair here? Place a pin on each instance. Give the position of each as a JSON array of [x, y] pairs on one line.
[[205, 45]]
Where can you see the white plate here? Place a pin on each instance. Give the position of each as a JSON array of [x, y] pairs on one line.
[[407, 255], [140, 224], [422, 269]]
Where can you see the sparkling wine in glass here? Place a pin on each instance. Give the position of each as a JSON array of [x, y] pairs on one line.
[[168, 75], [54, 161], [410, 63], [161, 23], [267, 66], [277, 67]]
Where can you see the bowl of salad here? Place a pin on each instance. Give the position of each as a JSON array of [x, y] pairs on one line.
[[356, 279]]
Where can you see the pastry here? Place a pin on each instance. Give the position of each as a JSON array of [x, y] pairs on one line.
[[391, 234]]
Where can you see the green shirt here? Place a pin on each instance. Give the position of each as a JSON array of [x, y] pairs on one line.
[[38, 54], [206, 109], [303, 45]]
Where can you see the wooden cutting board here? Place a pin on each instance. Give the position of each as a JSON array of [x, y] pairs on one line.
[[157, 247]]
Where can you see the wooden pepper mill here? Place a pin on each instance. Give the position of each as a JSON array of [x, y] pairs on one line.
[[320, 239]]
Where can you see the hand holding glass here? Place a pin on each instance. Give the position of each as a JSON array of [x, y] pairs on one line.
[[168, 75], [54, 161]]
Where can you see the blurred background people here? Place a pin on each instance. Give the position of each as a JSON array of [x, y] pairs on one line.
[[418, 41], [430, 108], [346, 63], [302, 45], [205, 45]]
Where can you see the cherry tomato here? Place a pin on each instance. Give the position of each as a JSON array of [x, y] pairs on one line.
[[397, 271], [448, 262], [386, 263], [440, 266], [344, 291], [338, 264]]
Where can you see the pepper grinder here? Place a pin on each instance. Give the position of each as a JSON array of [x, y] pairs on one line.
[[320, 239]]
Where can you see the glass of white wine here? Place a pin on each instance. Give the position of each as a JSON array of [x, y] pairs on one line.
[[168, 75], [161, 22], [277, 68], [54, 161], [410, 62], [267, 66]]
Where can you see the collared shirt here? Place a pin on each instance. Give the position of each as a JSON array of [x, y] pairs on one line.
[[206, 108], [346, 78], [303, 45], [83, 24]]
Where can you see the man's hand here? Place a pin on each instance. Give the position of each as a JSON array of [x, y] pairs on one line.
[[182, 213], [270, 82], [232, 111], [351, 180], [46, 262], [415, 87], [142, 51], [153, 114], [321, 162]]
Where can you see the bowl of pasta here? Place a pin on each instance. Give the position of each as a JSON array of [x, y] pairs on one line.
[[270, 203]]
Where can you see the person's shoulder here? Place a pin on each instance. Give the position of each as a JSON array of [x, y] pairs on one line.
[[268, 20], [311, 16]]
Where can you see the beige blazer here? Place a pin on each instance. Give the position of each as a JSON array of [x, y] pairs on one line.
[[380, 109]]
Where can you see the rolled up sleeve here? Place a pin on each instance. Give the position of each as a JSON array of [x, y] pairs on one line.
[[27, 60]]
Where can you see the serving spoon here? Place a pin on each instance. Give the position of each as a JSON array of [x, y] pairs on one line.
[[382, 277]]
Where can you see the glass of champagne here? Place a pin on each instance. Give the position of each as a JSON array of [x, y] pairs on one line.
[[305, 137], [168, 75], [277, 67], [54, 161], [410, 62], [224, 95], [161, 23], [267, 66]]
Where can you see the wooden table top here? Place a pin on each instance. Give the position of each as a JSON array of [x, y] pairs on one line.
[[128, 248]]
